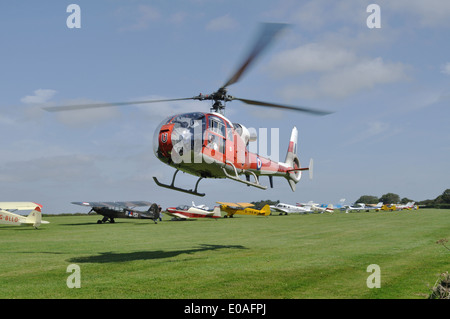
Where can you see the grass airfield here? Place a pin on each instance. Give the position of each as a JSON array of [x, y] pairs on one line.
[[295, 256]]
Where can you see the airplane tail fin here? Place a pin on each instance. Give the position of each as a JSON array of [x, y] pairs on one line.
[[217, 212], [265, 210], [330, 208], [292, 160], [35, 218]]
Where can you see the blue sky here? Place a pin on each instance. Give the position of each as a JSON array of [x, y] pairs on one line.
[[388, 88]]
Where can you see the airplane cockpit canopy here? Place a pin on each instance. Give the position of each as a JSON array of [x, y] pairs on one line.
[[183, 207]]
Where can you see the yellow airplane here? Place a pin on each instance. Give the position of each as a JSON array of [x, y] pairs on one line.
[[388, 207], [33, 219], [242, 209]]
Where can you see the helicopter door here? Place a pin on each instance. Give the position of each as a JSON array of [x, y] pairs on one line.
[[230, 154], [215, 140]]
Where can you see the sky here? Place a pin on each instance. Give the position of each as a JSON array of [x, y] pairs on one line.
[[387, 85]]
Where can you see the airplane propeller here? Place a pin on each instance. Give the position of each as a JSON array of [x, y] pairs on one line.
[[267, 34]]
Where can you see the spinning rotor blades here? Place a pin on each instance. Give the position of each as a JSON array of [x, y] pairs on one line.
[[267, 34], [97, 105], [281, 106]]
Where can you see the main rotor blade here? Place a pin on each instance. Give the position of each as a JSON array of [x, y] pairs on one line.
[[267, 33], [282, 106], [97, 105]]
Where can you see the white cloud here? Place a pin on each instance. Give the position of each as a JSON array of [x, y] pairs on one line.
[[446, 68], [222, 23], [40, 96], [364, 74], [431, 13], [142, 16], [373, 130], [336, 71], [309, 58]]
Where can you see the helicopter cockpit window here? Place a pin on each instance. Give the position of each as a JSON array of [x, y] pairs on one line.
[[216, 125], [238, 128], [189, 120]]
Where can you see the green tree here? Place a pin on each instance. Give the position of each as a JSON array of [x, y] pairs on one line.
[[260, 204], [367, 199], [445, 197], [390, 198], [406, 200]]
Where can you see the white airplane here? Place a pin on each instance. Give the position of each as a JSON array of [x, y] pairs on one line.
[[201, 206], [363, 207], [320, 209], [184, 212], [33, 219], [409, 206], [315, 208], [285, 209]]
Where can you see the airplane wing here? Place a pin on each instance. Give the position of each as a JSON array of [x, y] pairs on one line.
[[177, 215], [245, 205], [236, 205], [127, 204], [133, 204], [19, 205], [279, 209], [91, 204]]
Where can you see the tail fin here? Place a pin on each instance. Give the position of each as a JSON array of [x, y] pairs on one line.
[[292, 160], [217, 212], [265, 210], [35, 217], [330, 208]]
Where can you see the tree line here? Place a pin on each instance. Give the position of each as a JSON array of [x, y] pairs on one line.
[[441, 201]]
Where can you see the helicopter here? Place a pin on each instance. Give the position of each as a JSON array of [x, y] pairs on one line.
[[209, 145]]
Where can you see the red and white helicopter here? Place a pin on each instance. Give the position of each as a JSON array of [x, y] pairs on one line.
[[209, 145]]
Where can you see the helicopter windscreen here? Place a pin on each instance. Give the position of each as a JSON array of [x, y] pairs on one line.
[[188, 127], [187, 134], [188, 120]]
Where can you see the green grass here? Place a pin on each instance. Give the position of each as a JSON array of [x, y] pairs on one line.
[[295, 256]]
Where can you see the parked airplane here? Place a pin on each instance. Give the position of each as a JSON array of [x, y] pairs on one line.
[[285, 209], [321, 209], [243, 209], [184, 212], [388, 207], [363, 207], [111, 210], [33, 219], [408, 206]]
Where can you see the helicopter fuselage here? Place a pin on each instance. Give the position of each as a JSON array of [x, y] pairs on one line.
[[208, 145]]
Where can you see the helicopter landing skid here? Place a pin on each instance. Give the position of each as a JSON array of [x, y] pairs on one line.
[[237, 179], [171, 186]]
